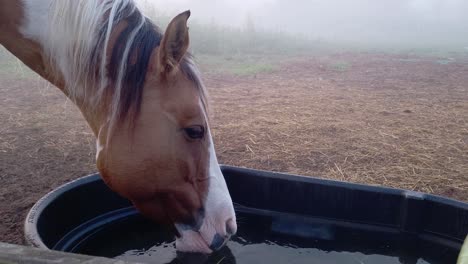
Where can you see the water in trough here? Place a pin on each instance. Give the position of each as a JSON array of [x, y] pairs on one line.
[[261, 239]]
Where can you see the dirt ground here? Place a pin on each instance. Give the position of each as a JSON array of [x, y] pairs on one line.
[[369, 118]]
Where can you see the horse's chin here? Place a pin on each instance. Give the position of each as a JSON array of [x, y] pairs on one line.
[[191, 241]]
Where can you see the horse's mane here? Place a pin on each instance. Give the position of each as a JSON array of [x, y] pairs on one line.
[[77, 41]]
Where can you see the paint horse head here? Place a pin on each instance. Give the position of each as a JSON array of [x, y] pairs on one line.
[[142, 96], [163, 158]]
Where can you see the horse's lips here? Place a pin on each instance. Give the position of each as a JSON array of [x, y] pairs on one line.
[[192, 241]]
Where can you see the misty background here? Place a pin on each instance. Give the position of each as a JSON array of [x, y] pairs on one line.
[[426, 24]]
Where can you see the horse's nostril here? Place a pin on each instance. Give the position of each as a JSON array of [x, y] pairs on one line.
[[231, 227], [218, 242]]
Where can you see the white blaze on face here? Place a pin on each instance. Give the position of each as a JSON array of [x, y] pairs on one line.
[[219, 222], [218, 205]]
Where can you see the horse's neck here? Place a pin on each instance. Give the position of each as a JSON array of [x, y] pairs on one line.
[[22, 33]]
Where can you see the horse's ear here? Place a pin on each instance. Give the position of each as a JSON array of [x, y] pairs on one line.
[[174, 44]]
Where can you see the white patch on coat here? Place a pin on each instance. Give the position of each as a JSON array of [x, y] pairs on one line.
[[75, 45], [99, 145]]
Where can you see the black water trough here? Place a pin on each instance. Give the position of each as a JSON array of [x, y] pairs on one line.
[[282, 219]]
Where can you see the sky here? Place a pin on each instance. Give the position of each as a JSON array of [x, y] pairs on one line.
[[430, 21]]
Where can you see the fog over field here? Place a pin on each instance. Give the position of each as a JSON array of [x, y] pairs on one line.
[[418, 23]]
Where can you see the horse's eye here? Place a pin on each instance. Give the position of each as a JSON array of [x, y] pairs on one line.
[[195, 132]]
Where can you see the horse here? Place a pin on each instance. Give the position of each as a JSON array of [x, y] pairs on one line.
[[142, 96]]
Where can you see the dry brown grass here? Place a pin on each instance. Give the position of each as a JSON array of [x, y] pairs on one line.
[[382, 121], [44, 143]]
